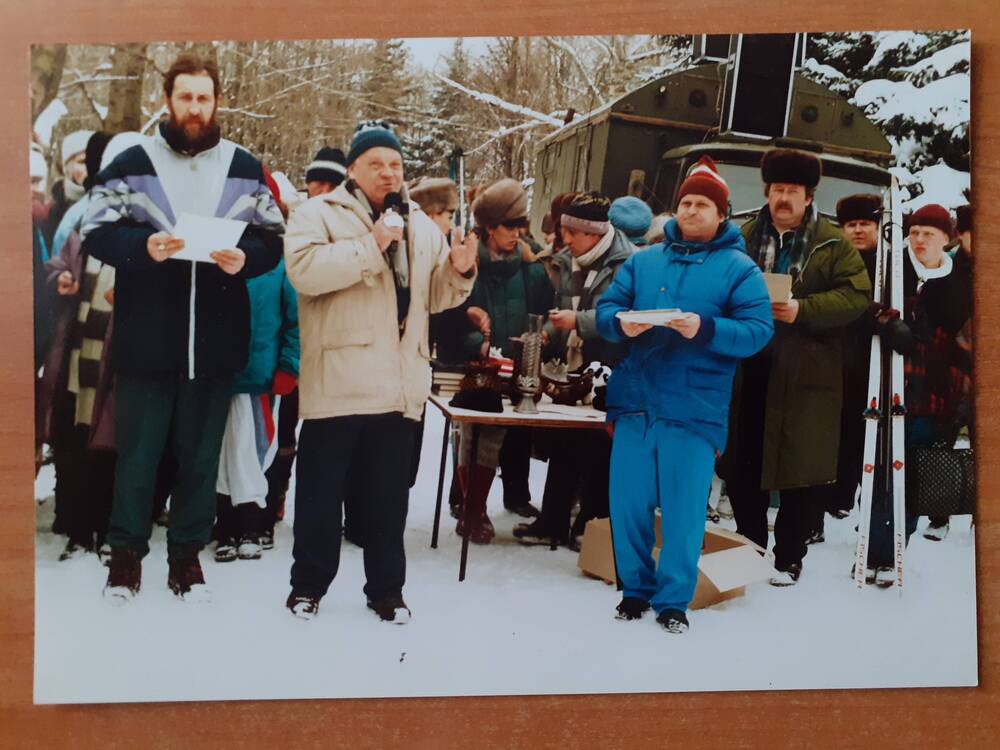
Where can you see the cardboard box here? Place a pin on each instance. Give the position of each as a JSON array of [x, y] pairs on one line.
[[728, 563]]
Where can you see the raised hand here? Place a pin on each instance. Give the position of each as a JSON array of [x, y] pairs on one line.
[[463, 250]]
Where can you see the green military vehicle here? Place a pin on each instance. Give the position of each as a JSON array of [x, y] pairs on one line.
[[644, 143]]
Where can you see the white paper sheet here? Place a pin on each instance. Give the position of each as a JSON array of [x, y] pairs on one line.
[[204, 235], [653, 317]]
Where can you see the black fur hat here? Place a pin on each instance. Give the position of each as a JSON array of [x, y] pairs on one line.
[[859, 207], [791, 166]]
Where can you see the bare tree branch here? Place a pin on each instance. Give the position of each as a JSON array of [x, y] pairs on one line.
[[496, 101], [579, 64]]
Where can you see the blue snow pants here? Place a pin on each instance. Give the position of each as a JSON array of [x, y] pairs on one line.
[[656, 463]]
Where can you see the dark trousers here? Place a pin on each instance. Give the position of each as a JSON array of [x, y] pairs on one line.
[[85, 484], [377, 447], [280, 471], [190, 416], [795, 521], [515, 461], [578, 459], [234, 522]]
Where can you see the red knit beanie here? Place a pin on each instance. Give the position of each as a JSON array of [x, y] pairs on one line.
[[932, 215], [704, 179]]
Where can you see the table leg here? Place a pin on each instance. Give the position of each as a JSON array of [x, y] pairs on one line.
[[473, 451], [437, 506]]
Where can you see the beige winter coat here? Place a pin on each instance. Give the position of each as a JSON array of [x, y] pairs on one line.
[[353, 359]]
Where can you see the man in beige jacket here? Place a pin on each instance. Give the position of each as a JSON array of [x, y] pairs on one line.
[[368, 277]]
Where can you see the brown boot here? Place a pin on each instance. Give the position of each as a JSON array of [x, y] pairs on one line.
[[124, 575], [480, 529]]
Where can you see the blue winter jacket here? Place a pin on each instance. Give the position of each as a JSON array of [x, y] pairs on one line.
[[274, 331], [688, 382]]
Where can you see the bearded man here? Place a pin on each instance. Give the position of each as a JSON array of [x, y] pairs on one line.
[[181, 327]]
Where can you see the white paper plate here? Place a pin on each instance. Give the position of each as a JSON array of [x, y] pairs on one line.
[[653, 317]]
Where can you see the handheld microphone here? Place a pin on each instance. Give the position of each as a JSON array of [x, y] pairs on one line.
[[392, 208]]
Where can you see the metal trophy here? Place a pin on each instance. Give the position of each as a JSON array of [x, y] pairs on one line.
[[528, 380]]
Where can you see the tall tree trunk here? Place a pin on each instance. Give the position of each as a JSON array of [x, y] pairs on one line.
[[47, 61], [128, 64]]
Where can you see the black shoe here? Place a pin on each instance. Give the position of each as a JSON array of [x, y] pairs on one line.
[[303, 606], [124, 575], [267, 539], [391, 609], [455, 510], [788, 576], [536, 533], [104, 554], [186, 580], [816, 537], [226, 550], [869, 575], [673, 620], [525, 510], [75, 549], [631, 608]]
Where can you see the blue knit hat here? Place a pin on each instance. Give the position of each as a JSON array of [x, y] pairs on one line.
[[631, 215], [372, 134]]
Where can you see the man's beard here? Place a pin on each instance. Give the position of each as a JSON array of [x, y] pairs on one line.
[[191, 140]]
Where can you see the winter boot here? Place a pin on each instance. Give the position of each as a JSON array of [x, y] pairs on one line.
[[75, 548], [226, 550], [885, 576], [517, 497], [480, 529], [248, 522], [104, 553], [391, 609], [673, 620], [267, 538], [631, 608], [537, 532], [458, 481], [816, 537], [303, 606], [936, 530], [124, 575], [186, 579]]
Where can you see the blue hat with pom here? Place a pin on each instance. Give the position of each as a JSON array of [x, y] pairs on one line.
[[372, 134]]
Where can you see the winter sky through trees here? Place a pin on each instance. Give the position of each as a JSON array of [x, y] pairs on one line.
[[496, 98]]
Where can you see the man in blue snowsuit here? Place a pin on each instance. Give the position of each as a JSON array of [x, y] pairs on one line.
[[669, 399]]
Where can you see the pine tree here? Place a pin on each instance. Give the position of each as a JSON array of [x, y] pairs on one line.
[[915, 87]]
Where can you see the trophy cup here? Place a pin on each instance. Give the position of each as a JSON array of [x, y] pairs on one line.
[[528, 379]]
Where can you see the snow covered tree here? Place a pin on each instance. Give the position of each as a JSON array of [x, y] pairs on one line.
[[915, 87]]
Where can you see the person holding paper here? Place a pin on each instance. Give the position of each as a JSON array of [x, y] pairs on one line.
[[181, 327], [668, 400], [786, 406], [367, 277], [595, 251]]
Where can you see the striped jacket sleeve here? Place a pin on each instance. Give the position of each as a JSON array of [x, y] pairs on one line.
[[119, 218]]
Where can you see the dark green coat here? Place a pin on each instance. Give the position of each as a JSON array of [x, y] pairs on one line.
[[801, 430], [508, 290]]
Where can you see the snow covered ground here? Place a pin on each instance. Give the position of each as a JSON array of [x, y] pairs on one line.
[[525, 621]]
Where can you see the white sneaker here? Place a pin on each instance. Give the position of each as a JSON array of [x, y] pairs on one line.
[[786, 577], [249, 548]]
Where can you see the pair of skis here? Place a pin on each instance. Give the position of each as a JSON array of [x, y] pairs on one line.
[[894, 447]]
